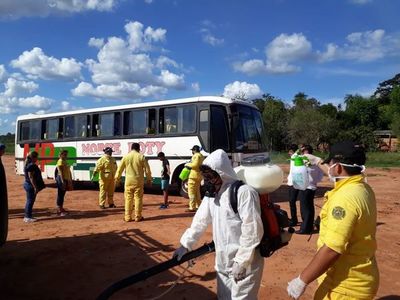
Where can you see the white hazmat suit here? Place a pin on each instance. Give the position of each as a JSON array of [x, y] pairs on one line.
[[236, 236]]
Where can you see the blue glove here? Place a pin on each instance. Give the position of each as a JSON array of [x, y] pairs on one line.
[[181, 251]]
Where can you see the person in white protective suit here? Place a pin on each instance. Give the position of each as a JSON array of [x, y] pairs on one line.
[[238, 263]]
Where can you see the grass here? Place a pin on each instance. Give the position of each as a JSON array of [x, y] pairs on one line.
[[374, 159]]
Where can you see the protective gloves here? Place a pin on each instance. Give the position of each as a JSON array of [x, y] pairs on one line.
[[296, 288], [181, 251], [238, 272]]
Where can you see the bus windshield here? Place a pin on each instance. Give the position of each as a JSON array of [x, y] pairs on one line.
[[248, 130]]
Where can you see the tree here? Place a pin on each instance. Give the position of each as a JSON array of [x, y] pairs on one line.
[[385, 88]]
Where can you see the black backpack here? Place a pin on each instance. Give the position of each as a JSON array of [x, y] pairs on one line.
[[274, 221]]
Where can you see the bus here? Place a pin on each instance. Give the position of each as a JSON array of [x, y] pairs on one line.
[[170, 126]]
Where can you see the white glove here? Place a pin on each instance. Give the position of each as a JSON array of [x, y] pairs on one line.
[[238, 272], [296, 288], [181, 251]]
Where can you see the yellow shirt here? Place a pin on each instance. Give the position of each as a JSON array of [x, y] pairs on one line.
[[106, 166], [197, 160], [348, 226], [135, 165], [64, 170]]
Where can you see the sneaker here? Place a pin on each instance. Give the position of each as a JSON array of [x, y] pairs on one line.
[[112, 206], [163, 206], [102, 207], [293, 222], [29, 220]]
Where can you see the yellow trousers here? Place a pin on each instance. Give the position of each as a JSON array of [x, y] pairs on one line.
[[133, 195], [107, 188], [194, 193], [324, 294]]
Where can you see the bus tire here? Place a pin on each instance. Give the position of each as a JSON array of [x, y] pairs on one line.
[[183, 190], [3, 209]]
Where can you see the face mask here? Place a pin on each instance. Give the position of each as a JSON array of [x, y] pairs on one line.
[[210, 189], [335, 178]]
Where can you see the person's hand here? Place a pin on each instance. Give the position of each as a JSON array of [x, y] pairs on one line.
[[238, 272], [296, 288], [181, 251], [149, 182]]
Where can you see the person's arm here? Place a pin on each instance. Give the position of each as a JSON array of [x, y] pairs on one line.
[[61, 171], [195, 163], [120, 169], [147, 171], [252, 227], [98, 168], [31, 175], [320, 263], [200, 222]]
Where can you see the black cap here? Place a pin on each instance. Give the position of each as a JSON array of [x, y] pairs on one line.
[[108, 149], [347, 152], [2, 146], [195, 148]]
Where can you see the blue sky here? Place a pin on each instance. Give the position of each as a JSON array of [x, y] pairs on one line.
[[60, 55]]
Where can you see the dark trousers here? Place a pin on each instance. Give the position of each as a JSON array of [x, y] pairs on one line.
[[30, 199], [307, 210], [293, 193], [60, 192]]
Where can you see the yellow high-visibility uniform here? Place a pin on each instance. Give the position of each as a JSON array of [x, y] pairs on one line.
[[348, 226], [135, 166], [194, 181], [106, 166]]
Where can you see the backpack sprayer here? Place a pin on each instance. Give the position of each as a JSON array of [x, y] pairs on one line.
[[257, 172]]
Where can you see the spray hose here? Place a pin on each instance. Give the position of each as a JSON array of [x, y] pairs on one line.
[[143, 275]]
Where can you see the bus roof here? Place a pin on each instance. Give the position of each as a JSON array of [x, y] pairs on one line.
[[139, 105]]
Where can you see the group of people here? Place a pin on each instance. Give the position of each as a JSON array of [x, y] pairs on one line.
[[344, 264]]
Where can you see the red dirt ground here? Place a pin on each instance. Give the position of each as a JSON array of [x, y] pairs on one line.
[[77, 256]]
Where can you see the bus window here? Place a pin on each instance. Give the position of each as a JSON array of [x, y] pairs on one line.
[[51, 132], [69, 127], [95, 125], [106, 124], [219, 128], [117, 124], [178, 119], [140, 122], [204, 129], [24, 131], [35, 130], [81, 125]]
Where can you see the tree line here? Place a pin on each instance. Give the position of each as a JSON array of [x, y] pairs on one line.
[[310, 122]]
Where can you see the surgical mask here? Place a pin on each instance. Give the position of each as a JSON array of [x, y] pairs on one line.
[[335, 178]]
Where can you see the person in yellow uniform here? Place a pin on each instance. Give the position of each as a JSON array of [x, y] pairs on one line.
[[64, 181], [135, 166], [106, 167], [345, 263], [195, 178]]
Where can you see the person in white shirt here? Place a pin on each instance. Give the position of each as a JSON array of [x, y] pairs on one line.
[[307, 209], [293, 193]]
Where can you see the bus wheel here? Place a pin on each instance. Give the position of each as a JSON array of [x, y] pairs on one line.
[[184, 189]]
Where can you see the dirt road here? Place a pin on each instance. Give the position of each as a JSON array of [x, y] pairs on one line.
[[77, 256]]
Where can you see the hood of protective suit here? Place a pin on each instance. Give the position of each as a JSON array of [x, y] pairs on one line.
[[219, 162]]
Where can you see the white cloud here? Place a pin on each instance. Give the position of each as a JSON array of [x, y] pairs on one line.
[[142, 40], [129, 69], [37, 63], [13, 9], [12, 104], [148, 1], [212, 40], [123, 90], [360, 1], [280, 53], [14, 87], [207, 36], [364, 46], [196, 87], [3, 73], [242, 90], [97, 43]]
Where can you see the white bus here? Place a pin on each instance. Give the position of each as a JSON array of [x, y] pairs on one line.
[[170, 126]]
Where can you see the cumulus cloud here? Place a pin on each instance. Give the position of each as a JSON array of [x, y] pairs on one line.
[[129, 69], [12, 104], [14, 87], [280, 53], [210, 39], [37, 63], [13, 9], [362, 46], [123, 90], [97, 43], [242, 90]]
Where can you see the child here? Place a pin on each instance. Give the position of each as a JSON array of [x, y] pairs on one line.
[[165, 173]]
